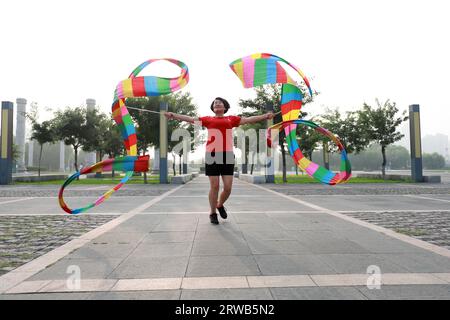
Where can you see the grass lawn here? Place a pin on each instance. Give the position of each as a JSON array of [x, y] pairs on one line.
[[292, 178], [154, 179], [90, 181]]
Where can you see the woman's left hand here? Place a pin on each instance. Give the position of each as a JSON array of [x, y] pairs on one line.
[[269, 115]]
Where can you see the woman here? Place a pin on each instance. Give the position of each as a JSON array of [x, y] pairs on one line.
[[219, 156]]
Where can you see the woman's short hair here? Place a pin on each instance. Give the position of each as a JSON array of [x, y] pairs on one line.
[[225, 104]]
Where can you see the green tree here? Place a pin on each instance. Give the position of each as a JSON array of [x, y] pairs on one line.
[[15, 152], [347, 129], [265, 95], [433, 161], [381, 124], [111, 142], [398, 157], [96, 123], [308, 141], [181, 103], [42, 133], [147, 123], [270, 95], [77, 128]]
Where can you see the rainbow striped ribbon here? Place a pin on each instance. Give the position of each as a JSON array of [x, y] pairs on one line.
[[133, 86], [264, 68]]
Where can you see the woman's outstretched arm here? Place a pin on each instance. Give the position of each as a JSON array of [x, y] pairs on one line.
[[254, 119], [180, 117]]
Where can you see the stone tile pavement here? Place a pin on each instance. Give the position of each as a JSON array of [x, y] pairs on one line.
[[274, 245]]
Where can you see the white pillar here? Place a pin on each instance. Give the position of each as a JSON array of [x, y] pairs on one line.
[[30, 152], [91, 158], [155, 161], [62, 146], [20, 132]]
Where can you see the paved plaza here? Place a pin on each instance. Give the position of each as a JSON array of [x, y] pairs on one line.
[[352, 241]]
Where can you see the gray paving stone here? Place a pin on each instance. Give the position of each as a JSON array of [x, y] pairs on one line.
[[384, 244], [253, 243], [46, 296], [292, 264], [227, 294], [224, 226], [359, 189], [252, 217], [90, 269], [169, 237], [211, 235], [137, 295], [230, 247], [260, 226], [386, 203], [358, 263], [430, 226], [407, 292], [420, 262], [327, 241], [24, 238], [182, 249], [276, 246], [332, 245], [176, 225], [101, 251], [268, 234], [180, 204], [150, 267], [120, 238], [424, 298], [218, 266], [316, 293], [133, 226], [266, 205]]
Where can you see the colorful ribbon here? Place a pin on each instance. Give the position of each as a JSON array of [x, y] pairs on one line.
[[263, 68], [134, 86]]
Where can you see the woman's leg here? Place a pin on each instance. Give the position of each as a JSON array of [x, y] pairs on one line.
[[213, 192], [227, 184]]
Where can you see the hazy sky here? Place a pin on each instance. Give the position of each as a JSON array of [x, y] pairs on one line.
[[59, 53]]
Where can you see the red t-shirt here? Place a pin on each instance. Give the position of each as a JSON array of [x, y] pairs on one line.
[[220, 135]]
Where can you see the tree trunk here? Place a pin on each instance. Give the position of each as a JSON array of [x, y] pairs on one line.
[[40, 156], [245, 164], [145, 173], [110, 155], [383, 166], [283, 156], [174, 166], [98, 158], [296, 170], [75, 149], [180, 165], [326, 159]]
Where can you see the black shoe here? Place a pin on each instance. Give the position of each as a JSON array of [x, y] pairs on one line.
[[213, 218], [223, 212]]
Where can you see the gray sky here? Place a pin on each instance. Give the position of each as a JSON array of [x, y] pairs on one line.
[[58, 53]]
